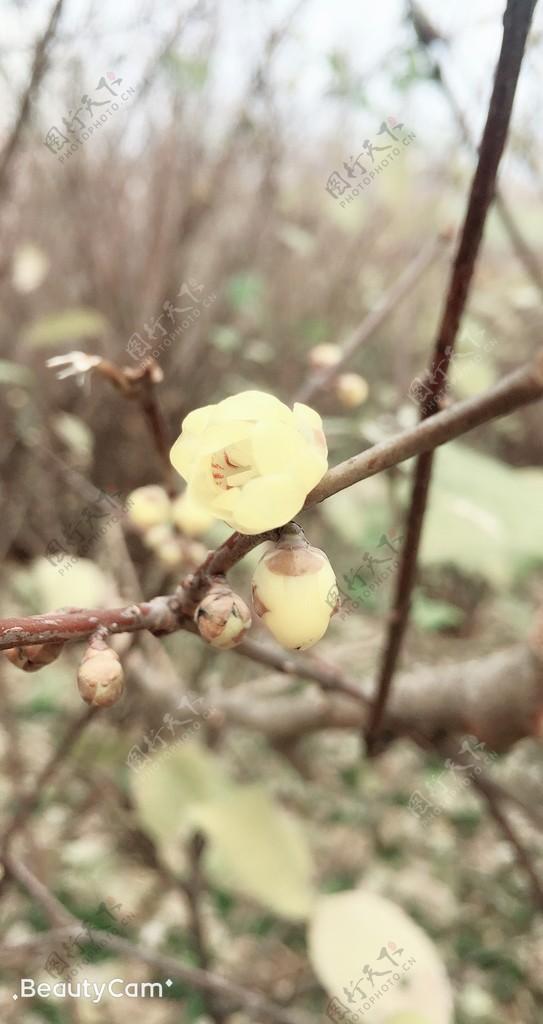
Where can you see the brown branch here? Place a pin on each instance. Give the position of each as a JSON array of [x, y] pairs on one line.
[[138, 383], [165, 614], [39, 67], [515, 390], [308, 667], [159, 616], [255, 1004], [498, 698], [517, 20], [386, 304]]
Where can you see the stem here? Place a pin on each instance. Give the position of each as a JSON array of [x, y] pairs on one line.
[[517, 20]]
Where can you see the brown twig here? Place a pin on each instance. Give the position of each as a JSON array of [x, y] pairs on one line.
[[31, 800], [138, 383], [165, 614], [159, 616], [292, 664], [373, 320], [193, 888], [521, 247], [517, 21], [515, 390], [488, 790]]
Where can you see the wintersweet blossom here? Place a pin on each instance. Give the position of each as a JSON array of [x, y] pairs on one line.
[[250, 460]]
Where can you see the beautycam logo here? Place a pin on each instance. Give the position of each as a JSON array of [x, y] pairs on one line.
[[115, 989]]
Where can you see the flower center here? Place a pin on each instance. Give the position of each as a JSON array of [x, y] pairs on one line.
[[232, 467]]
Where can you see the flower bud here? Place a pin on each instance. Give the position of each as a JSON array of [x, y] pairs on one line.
[[323, 356], [150, 506], [171, 553], [291, 587], [157, 535], [222, 617], [34, 656], [189, 517], [351, 389], [100, 676]]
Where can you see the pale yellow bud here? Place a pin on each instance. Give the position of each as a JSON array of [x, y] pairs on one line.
[[323, 356], [170, 553], [150, 506], [34, 656], [291, 591], [191, 518], [100, 677], [222, 617], [157, 535], [351, 389]]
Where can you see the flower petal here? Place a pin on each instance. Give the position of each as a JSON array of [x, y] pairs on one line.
[[188, 450], [197, 420], [273, 444], [252, 405], [268, 502]]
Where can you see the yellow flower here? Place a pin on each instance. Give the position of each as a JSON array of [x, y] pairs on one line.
[[291, 587], [251, 460]]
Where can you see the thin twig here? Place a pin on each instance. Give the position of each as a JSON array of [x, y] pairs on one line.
[[29, 802], [517, 20], [253, 1002], [193, 889], [39, 67], [138, 383], [488, 790], [373, 320], [519, 243], [513, 391]]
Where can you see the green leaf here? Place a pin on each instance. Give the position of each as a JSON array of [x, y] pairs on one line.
[[484, 516], [259, 850], [166, 790], [191, 72], [70, 325], [225, 338], [432, 615], [301, 242], [74, 432], [350, 929], [244, 291], [12, 373]]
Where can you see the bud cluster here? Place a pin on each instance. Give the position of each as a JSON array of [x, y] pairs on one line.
[[291, 591], [167, 525], [351, 389]]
